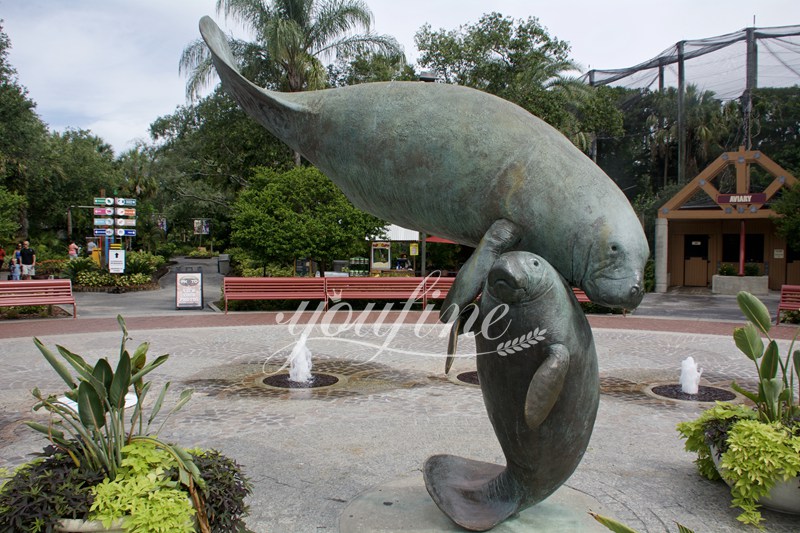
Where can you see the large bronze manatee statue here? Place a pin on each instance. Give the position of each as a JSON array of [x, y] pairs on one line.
[[462, 164], [537, 368]]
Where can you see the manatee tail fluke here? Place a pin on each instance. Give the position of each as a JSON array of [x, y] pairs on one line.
[[475, 495], [268, 107]]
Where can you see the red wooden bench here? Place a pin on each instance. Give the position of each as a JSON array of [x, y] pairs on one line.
[[358, 288], [38, 292], [790, 300], [581, 296], [273, 289]]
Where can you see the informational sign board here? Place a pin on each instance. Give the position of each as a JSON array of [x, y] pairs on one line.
[[413, 249], [202, 226], [126, 202], [104, 211], [103, 201], [125, 232], [189, 290], [104, 222], [125, 222], [100, 232], [116, 261], [125, 212]]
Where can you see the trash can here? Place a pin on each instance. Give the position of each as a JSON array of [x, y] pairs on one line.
[[224, 264]]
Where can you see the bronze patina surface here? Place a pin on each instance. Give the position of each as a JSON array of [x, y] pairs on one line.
[[537, 368], [462, 164]]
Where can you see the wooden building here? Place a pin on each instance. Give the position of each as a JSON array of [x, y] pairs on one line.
[[722, 217]]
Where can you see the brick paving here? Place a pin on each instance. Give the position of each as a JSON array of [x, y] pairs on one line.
[[311, 453]]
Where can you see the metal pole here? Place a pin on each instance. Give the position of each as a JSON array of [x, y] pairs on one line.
[[742, 233], [750, 85], [681, 115]]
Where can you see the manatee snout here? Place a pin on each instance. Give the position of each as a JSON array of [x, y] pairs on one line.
[[517, 276]]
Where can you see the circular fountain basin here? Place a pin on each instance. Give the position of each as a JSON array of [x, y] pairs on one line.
[[318, 380], [705, 393]]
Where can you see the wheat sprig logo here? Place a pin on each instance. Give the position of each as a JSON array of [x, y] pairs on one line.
[[520, 343]]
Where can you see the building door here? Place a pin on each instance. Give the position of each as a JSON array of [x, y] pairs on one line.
[[695, 255]]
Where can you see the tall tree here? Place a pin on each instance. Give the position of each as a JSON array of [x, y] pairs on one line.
[[292, 39], [519, 61], [299, 213], [23, 136]]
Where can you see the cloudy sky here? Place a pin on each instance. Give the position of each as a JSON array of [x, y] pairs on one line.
[[111, 66]]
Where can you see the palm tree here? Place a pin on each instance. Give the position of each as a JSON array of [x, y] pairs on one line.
[[292, 38]]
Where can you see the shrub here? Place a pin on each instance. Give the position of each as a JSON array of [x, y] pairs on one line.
[[51, 267], [726, 269], [751, 269], [142, 263], [81, 264]]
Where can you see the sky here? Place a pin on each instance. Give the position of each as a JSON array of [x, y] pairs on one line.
[[111, 66]]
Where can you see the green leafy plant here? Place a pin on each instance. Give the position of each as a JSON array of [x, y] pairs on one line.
[[43, 491], [752, 269], [756, 446], [105, 461], [79, 265], [726, 269], [142, 263], [619, 527], [775, 400]]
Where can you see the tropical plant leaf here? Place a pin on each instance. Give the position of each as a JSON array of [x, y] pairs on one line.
[[122, 380], [749, 341], [160, 360], [683, 529], [747, 394], [769, 364], [796, 361], [103, 373], [755, 311], [610, 523], [90, 408], [157, 406], [57, 365]]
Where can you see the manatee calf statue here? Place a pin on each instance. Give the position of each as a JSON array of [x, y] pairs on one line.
[[537, 368], [461, 164]]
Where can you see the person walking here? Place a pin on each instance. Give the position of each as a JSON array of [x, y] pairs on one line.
[[73, 250], [28, 260]]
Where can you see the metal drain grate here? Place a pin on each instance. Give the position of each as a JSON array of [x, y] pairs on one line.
[[317, 380], [704, 393]]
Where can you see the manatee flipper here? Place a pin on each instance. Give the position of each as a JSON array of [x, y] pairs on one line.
[[475, 495], [546, 385], [501, 236], [461, 321]]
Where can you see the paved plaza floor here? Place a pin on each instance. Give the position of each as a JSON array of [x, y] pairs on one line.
[[313, 455]]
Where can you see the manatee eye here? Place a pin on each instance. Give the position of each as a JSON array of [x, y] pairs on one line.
[[613, 247], [536, 262]]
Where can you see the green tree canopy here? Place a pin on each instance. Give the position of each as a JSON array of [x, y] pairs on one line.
[[292, 38], [299, 213], [519, 61], [788, 225]]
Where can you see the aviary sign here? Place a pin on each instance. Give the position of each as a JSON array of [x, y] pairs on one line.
[[751, 198]]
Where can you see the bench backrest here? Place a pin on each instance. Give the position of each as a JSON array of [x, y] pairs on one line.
[[790, 296], [302, 286], [35, 287]]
